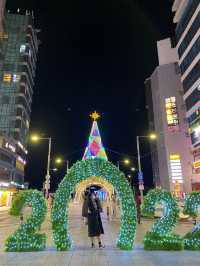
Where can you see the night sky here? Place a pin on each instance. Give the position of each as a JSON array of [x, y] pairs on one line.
[[94, 55]]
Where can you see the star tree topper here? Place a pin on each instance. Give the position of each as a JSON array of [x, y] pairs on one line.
[[95, 116]]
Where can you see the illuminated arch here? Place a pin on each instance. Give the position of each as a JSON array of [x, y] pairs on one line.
[[79, 172], [94, 180]]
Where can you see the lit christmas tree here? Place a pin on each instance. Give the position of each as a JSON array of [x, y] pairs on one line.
[[95, 147]]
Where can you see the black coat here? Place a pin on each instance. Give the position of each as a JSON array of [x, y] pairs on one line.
[[95, 227]]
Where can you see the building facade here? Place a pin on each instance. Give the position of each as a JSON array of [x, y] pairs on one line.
[[12, 164], [17, 76], [19, 47], [187, 18], [171, 156], [2, 8]]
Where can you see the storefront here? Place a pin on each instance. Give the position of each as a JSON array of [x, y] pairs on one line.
[[6, 196]]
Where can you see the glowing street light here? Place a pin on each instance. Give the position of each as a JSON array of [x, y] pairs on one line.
[[60, 161], [126, 161], [54, 169], [152, 136], [133, 169], [36, 138]]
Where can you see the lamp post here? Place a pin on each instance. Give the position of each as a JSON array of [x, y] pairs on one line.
[[140, 174], [125, 161], [36, 138], [60, 161]]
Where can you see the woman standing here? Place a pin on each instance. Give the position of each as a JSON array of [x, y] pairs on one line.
[[95, 228]]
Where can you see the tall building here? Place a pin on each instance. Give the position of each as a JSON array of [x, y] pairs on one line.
[[187, 17], [171, 157], [2, 6], [19, 45], [17, 76]]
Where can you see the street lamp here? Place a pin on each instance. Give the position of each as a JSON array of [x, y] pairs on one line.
[[60, 161], [54, 169], [133, 169], [126, 161], [36, 138], [152, 136]]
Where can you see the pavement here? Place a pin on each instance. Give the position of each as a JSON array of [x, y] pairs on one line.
[[82, 255]]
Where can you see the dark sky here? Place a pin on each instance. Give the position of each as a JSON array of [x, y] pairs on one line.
[[94, 55]]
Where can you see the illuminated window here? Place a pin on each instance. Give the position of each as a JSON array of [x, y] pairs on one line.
[[7, 77], [16, 78], [27, 123], [22, 48]]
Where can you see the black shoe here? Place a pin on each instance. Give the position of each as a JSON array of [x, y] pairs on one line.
[[92, 245], [101, 246]]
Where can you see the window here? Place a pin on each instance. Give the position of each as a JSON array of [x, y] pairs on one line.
[[189, 36], [16, 78], [192, 99], [5, 99], [7, 77], [22, 48], [195, 50], [191, 77], [187, 15]]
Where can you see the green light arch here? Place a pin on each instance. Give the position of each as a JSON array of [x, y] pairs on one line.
[[79, 172]]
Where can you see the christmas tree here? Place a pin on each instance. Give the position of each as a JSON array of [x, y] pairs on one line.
[[95, 147]]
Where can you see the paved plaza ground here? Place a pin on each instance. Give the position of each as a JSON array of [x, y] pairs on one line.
[[81, 253]]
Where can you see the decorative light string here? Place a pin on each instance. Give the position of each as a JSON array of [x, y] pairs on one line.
[[79, 172], [25, 237], [192, 203]]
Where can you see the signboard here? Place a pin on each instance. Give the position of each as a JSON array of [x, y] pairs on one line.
[[9, 146], [140, 176], [171, 114], [176, 169], [196, 164]]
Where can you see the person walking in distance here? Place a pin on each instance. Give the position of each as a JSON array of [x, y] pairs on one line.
[[95, 228], [114, 206], [85, 206]]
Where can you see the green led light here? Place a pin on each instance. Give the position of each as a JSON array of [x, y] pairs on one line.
[[161, 238], [192, 203], [79, 172], [25, 238]]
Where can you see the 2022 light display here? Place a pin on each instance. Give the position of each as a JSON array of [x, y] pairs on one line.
[[25, 237], [161, 237], [96, 164], [80, 171], [192, 239]]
